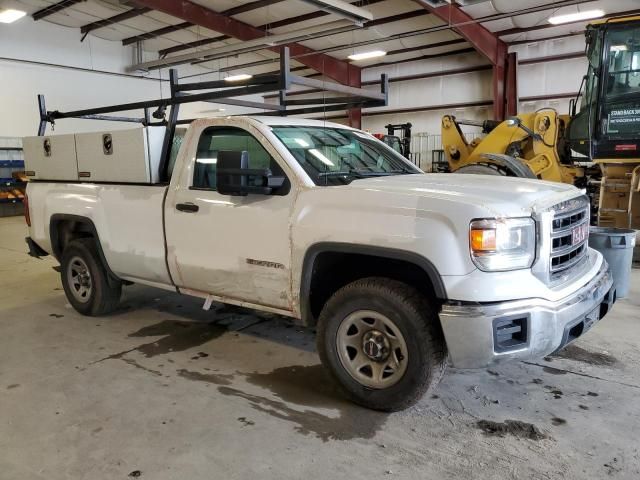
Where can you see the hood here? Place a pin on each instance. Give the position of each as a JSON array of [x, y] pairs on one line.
[[502, 196]]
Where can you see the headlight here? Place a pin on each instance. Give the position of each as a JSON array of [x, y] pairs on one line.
[[502, 244]]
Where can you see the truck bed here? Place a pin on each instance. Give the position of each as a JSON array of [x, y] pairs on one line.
[[127, 218]]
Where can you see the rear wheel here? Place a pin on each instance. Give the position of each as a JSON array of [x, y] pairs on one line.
[[382, 342], [86, 281]]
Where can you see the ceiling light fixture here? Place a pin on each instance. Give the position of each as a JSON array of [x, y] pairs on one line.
[[576, 17], [10, 15], [367, 55], [238, 78]]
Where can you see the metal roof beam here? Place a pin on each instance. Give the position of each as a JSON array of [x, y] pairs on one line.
[[54, 8], [181, 26], [483, 40], [267, 26], [342, 9], [195, 44], [374, 23], [85, 29], [156, 33], [400, 51], [338, 70], [255, 5]]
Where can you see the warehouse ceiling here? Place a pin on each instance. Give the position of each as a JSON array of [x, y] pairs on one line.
[[405, 29]]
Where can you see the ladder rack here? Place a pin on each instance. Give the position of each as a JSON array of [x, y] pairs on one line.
[[223, 92]]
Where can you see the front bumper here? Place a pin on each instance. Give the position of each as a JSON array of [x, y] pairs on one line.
[[479, 335]]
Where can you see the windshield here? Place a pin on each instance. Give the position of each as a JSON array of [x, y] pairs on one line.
[[624, 62], [334, 156], [621, 107]]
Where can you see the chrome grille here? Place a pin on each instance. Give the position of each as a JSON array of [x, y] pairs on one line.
[[564, 253]]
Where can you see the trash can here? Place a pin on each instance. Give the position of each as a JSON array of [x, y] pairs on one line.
[[616, 245]]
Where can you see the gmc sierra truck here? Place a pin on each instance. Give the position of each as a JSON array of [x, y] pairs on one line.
[[398, 270]]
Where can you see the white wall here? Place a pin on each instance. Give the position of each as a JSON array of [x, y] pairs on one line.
[[430, 92], [534, 80], [550, 78], [88, 74]]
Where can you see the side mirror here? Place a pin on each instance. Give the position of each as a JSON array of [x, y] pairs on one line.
[[234, 177]]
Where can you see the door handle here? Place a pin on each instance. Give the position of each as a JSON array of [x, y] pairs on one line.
[[187, 207]]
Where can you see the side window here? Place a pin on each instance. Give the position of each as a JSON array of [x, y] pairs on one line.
[[214, 139]]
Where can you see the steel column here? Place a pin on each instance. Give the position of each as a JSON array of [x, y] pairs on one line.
[[484, 42], [355, 114], [511, 87], [499, 83]]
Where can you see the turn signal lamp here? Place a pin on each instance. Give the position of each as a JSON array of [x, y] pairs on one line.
[[483, 240]]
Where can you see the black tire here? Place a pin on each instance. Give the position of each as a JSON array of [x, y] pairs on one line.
[[104, 293], [418, 323], [480, 169]]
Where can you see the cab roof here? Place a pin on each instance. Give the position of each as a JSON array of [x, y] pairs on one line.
[[290, 121], [628, 18]]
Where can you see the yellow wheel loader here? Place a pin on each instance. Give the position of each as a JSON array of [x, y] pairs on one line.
[[597, 146]]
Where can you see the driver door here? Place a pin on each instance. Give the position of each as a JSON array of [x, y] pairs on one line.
[[233, 247]]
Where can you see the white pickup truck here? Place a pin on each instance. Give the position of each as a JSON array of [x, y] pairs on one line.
[[398, 270]]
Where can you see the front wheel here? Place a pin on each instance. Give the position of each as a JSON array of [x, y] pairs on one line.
[[85, 280], [382, 342]]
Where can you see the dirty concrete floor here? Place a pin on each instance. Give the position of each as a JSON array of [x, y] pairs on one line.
[[163, 390]]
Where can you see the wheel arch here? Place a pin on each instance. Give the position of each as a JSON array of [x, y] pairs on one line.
[[312, 268], [64, 228]]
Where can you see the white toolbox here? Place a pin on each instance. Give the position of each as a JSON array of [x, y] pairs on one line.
[[118, 156], [121, 156], [50, 158]]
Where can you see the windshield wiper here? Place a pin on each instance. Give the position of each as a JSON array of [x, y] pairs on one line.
[[362, 173], [348, 173], [392, 172]]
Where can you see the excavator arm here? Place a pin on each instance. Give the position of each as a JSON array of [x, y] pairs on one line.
[[522, 146]]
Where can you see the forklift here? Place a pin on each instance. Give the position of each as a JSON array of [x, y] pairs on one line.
[[401, 143]]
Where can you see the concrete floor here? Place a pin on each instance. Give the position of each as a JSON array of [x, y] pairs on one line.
[[163, 390]]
